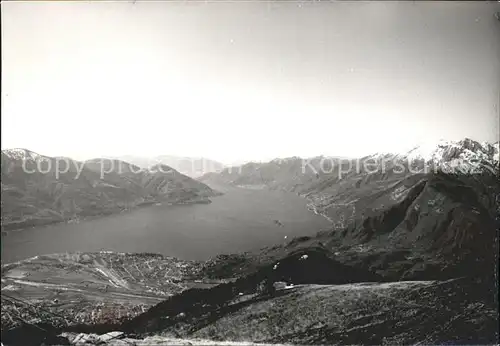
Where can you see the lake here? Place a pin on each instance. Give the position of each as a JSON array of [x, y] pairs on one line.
[[240, 220]]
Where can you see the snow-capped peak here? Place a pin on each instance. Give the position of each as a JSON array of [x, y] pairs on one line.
[[496, 150], [425, 151], [21, 154], [463, 153]]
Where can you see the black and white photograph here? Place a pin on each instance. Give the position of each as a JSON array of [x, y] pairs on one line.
[[250, 172]]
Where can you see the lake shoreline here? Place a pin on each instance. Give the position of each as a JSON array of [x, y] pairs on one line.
[[27, 224], [240, 220], [311, 206]]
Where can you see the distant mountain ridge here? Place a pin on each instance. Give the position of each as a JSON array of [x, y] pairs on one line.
[[38, 189], [191, 166], [300, 174]]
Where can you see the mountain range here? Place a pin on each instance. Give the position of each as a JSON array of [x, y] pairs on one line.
[[38, 189], [410, 258], [417, 215]]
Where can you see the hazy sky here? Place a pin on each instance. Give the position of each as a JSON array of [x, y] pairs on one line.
[[248, 80]]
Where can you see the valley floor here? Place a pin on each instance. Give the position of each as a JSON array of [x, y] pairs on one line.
[[90, 288]]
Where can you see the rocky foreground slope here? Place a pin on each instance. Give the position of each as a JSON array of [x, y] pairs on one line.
[[396, 313], [38, 189]]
